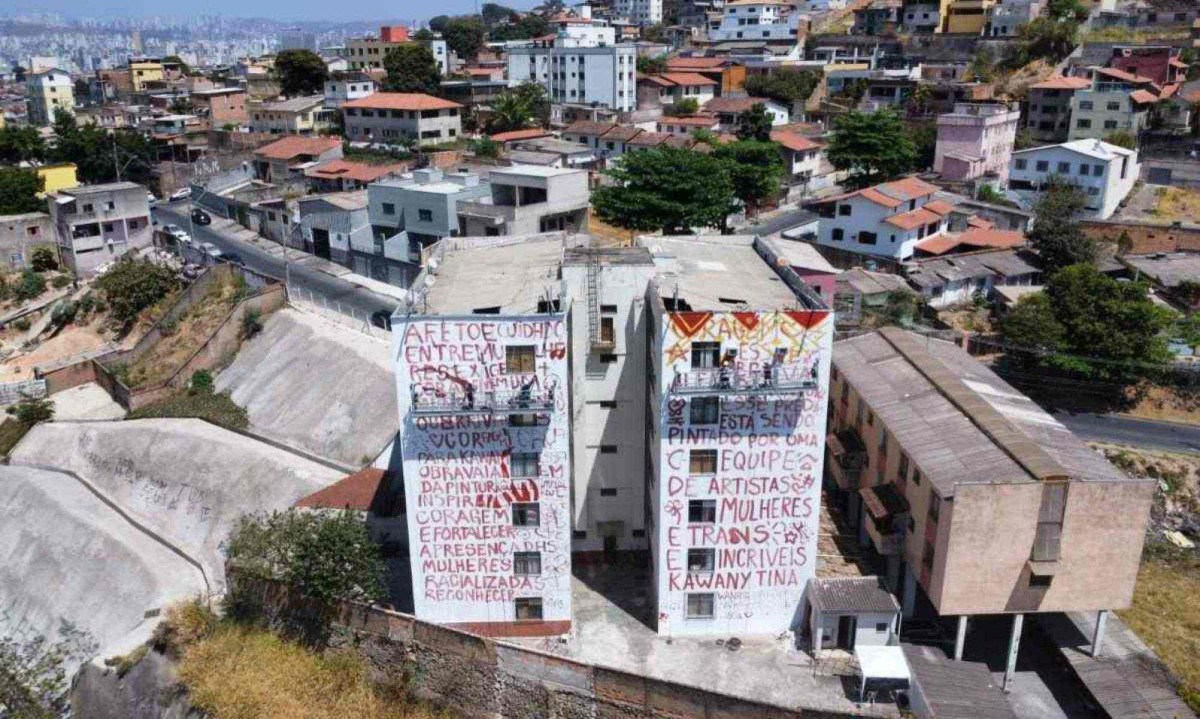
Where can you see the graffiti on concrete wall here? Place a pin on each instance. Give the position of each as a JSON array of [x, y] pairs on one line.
[[742, 421], [486, 465]]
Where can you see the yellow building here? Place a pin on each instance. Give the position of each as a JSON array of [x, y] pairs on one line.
[[142, 72], [57, 177], [964, 16]]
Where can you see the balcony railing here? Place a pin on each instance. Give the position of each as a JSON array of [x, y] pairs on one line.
[[769, 380], [482, 403]]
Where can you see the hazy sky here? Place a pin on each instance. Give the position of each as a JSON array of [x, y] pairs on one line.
[[280, 9]]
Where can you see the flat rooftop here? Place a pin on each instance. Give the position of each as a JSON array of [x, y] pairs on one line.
[[1167, 270], [510, 274], [95, 189], [957, 420], [535, 171], [718, 273]]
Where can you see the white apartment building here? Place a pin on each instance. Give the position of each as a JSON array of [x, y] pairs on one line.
[[770, 20], [886, 220], [528, 199], [294, 116], [413, 212], [1105, 173], [1005, 18], [640, 12], [350, 86], [389, 117], [578, 69], [1116, 102], [97, 224], [47, 92]]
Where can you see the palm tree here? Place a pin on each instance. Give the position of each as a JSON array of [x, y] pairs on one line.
[[509, 112]]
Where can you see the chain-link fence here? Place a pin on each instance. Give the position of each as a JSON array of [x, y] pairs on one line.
[[338, 312]]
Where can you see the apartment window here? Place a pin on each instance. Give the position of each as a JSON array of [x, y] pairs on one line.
[[702, 461], [935, 507], [527, 563], [1021, 163], [111, 205], [1110, 124], [525, 464], [108, 227], [866, 238], [1113, 105], [1039, 581], [519, 359], [700, 606], [1064, 168], [608, 358], [927, 556], [608, 491], [1047, 541], [845, 210], [608, 449], [706, 355], [522, 420], [1043, 165], [528, 608], [526, 514], [1093, 191], [608, 330], [870, 418], [1083, 169], [1085, 104], [1097, 170], [838, 234], [705, 410], [389, 208], [425, 215], [881, 627], [701, 560], [702, 511], [87, 208]]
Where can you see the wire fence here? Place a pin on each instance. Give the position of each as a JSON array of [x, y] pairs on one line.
[[337, 312]]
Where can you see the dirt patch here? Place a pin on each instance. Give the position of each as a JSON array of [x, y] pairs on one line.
[[968, 319], [1176, 203], [1171, 404], [608, 235], [1177, 502], [72, 341]]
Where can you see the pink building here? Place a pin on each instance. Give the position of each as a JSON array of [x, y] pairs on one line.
[[975, 140]]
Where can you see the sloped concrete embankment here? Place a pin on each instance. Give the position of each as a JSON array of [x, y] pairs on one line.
[[315, 385]]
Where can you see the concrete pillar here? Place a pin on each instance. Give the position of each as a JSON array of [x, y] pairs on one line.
[[1098, 632], [815, 628], [1014, 644], [864, 539], [893, 573], [960, 638], [908, 597]]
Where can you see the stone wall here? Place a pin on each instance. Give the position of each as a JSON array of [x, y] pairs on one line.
[[1147, 238], [480, 677]]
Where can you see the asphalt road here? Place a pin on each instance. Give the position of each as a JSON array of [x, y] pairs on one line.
[[1117, 429], [315, 281]]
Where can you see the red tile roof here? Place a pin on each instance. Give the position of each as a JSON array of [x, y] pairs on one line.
[[980, 223], [733, 104], [914, 219], [513, 135], [697, 63], [360, 171], [941, 207], [1122, 75], [1143, 96], [794, 142], [973, 237], [293, 145], [687, 78], [360, 491], [401, 101], [650, 139], [1060, 82]]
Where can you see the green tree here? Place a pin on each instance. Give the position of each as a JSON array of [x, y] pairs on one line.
[[19, 144], [654, 33], [423, 36], [755, 168], [923, 134], [1056, 235], [918, 102], [1122, 138], [524, 28], [411, 67], [34, 410], [666, 189], [97, 152], [486, 147], [534, 97], [464, 36], [181, 106], [1031, 323], [34, 683], [1045, 39], [18, 191], [786, 85], [510, 111], [683, 108], [176, 60], [300, 72], [647, 65], [437, 23], [326, 556], [32, 284], [1066, 11], [494, 14], [755, 123], [133, 285], [44, 259], [871, 147], [982, 66]]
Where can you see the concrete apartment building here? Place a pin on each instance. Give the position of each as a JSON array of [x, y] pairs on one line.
[[1160, 63], [367, 53], [582, 65], [887, 220], [1115, 102], [483, 390], [528, 199], [145, 72], [735, 442], [759, 20], [964, 17], [640, 12], [972, 492], [19, 234], [296, 116], [344, 87], [388, 117], [47, 93], [975, 141], [1048, 109], [97, 224], [1005, 18], [1105, 173], [415, 212], [220, 106]]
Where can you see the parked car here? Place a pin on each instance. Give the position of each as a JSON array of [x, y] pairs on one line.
[[177, 232], [200, 217], [151, 199], [181, 194]]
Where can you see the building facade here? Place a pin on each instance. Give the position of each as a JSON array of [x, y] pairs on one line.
[[976, 140], [1105, 173], [47, 93], [886, 220], [220, 106], [528, 199], [19, 234], [1115, 102], [297, 116], [390, 117], [1048, 112], [414, 212], [761, 20], [578, 72], [348, 86], [640, 12], [97, 224]]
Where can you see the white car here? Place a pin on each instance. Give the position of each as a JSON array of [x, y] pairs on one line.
[[151, 199], [181, 194], [177, 232], [211, 250]]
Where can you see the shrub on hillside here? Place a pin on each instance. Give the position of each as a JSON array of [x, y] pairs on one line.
[[133, 285], [32, 284]]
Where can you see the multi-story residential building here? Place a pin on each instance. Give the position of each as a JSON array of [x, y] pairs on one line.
[[578, 70], [973, 493], [803, 161], [526, 200], [736, 388], [1105, 173], [1048, 112], [19, 234], [97, 224], [485, 427], [367, 53], [47, 93], [685, 126], [344, 87], [921, 17], [296, 116], [1115, 102], [221, 106], [286, 159], [640, 12], [761, 20], [1160, 63], [886, 220], [728, 74], [671, 87], [729, 110], [414, 212], [964, 17], [1005, 18], [878, 17], [976, 140], [393, 117]]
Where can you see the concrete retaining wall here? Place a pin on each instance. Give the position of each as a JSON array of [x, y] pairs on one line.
[[1147, 238], [481, 677]]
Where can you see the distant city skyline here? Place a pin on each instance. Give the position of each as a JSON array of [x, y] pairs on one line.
[[282, 10]]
